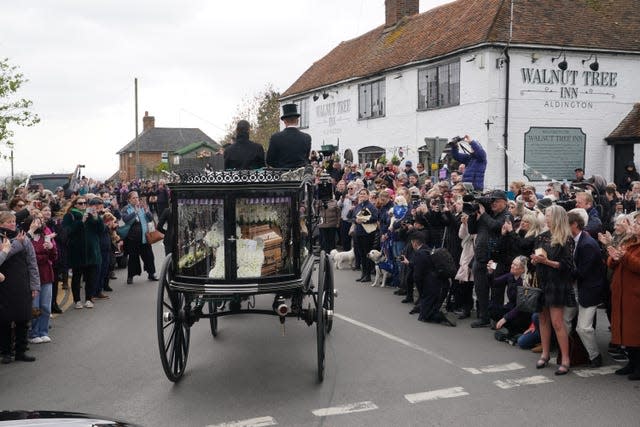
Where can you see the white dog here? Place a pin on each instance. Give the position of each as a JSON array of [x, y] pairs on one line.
[[382, 267], [343, 260]]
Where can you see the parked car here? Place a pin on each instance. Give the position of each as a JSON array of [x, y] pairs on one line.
[[57, 418], [51, 181]]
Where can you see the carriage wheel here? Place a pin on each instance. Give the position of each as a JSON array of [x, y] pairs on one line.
[[173, 331], [213, 321], [321, 314], [328, 303]]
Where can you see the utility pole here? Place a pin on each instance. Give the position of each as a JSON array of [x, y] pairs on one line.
[[10, 145], [138, 166]]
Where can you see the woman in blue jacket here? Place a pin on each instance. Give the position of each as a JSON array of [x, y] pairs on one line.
[[135, 243]]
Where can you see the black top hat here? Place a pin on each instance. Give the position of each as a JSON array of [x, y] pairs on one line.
[[289, 110]]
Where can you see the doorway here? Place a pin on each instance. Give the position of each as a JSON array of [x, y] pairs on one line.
[[623, 154]]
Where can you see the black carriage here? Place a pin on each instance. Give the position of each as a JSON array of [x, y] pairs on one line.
[[238, 234]]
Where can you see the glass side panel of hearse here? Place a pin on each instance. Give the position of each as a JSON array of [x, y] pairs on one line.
[[200, 237], [263, 234]]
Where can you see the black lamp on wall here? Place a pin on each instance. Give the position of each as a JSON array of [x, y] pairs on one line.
[[595, 66], [562, 64]]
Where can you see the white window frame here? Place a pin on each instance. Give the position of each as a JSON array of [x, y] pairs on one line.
[[372, 100], [303, 109], [439, 85]]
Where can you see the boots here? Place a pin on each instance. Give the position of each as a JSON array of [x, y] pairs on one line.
[[629, 368], [635, 356]]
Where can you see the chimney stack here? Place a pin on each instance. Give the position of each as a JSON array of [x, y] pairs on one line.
[[148, 122], [395, 10]]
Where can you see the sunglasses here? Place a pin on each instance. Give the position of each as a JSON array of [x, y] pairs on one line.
[[81, 203]]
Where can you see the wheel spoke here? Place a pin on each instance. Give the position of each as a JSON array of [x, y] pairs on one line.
[[168, 324]]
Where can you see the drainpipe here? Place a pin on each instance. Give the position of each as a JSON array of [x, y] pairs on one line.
[[506, 119]]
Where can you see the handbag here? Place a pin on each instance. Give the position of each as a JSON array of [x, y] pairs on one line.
[[529, 298], [153, 235], [123, 230]]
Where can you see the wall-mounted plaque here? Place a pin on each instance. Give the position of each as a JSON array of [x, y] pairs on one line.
[[553, 153]]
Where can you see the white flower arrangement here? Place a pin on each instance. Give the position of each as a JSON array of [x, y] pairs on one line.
[[250, 257], [217, 272], [214, 237]]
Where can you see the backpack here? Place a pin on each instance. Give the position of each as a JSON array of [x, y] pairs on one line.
[[443, 263]]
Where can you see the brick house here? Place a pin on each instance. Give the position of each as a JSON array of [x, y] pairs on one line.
[[158, 145], [542, 85]]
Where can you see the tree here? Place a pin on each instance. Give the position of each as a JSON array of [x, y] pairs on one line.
[[13, 110], [262, 111]]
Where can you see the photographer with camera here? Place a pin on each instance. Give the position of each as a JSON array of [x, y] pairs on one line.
[[487, 225], [474, 158], [328, 213]]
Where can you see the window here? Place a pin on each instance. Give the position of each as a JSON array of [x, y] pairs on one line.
[[303, 109], [370, 154], [439, 86], [371, 100]]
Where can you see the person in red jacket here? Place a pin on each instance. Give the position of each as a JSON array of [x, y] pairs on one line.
[[46, 251]]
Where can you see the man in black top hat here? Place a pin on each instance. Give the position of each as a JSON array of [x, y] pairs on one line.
[[289, 148]]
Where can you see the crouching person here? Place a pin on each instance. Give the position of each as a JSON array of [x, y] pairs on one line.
[[509, 320], [431, 287]]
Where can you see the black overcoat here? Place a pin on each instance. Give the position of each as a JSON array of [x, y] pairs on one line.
[[289, 149]]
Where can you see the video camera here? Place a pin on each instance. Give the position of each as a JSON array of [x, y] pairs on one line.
[[325, 188], [471, 203], [454, 141]]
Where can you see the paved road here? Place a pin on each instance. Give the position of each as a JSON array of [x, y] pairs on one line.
[[383, 369]]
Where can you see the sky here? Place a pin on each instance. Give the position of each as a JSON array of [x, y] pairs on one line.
[[195, 61]]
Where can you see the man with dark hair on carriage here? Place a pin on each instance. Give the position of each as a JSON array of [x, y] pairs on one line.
[[289, 148], [244, 153]]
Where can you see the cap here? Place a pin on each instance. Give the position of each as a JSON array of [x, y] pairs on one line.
[[59, 189], [95, 201], [498, 194], [408, 163]]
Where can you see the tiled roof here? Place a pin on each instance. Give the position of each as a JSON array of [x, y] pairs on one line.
[[629, 127], [590, 24], [167, 140]]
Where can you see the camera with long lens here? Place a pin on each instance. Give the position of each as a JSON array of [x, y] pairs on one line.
[[471, 203], [454, 141]]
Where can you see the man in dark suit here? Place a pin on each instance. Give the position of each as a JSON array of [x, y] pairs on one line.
[[425, 278], [244, 153], [289, 148], [590, 275]]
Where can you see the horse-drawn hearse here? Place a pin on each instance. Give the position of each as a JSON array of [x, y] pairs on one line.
[[238, 234]]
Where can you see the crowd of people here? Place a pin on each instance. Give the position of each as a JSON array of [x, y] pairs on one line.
[[449, 248], [70, 237], [579, 243]]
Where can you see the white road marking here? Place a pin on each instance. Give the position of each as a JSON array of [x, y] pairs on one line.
[[345, 409], [507, 384], [252, 422], [393, 338], [605, 370], [445, 393], [495, 368]]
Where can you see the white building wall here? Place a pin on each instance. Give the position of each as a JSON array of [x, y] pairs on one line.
[[595, 109]]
